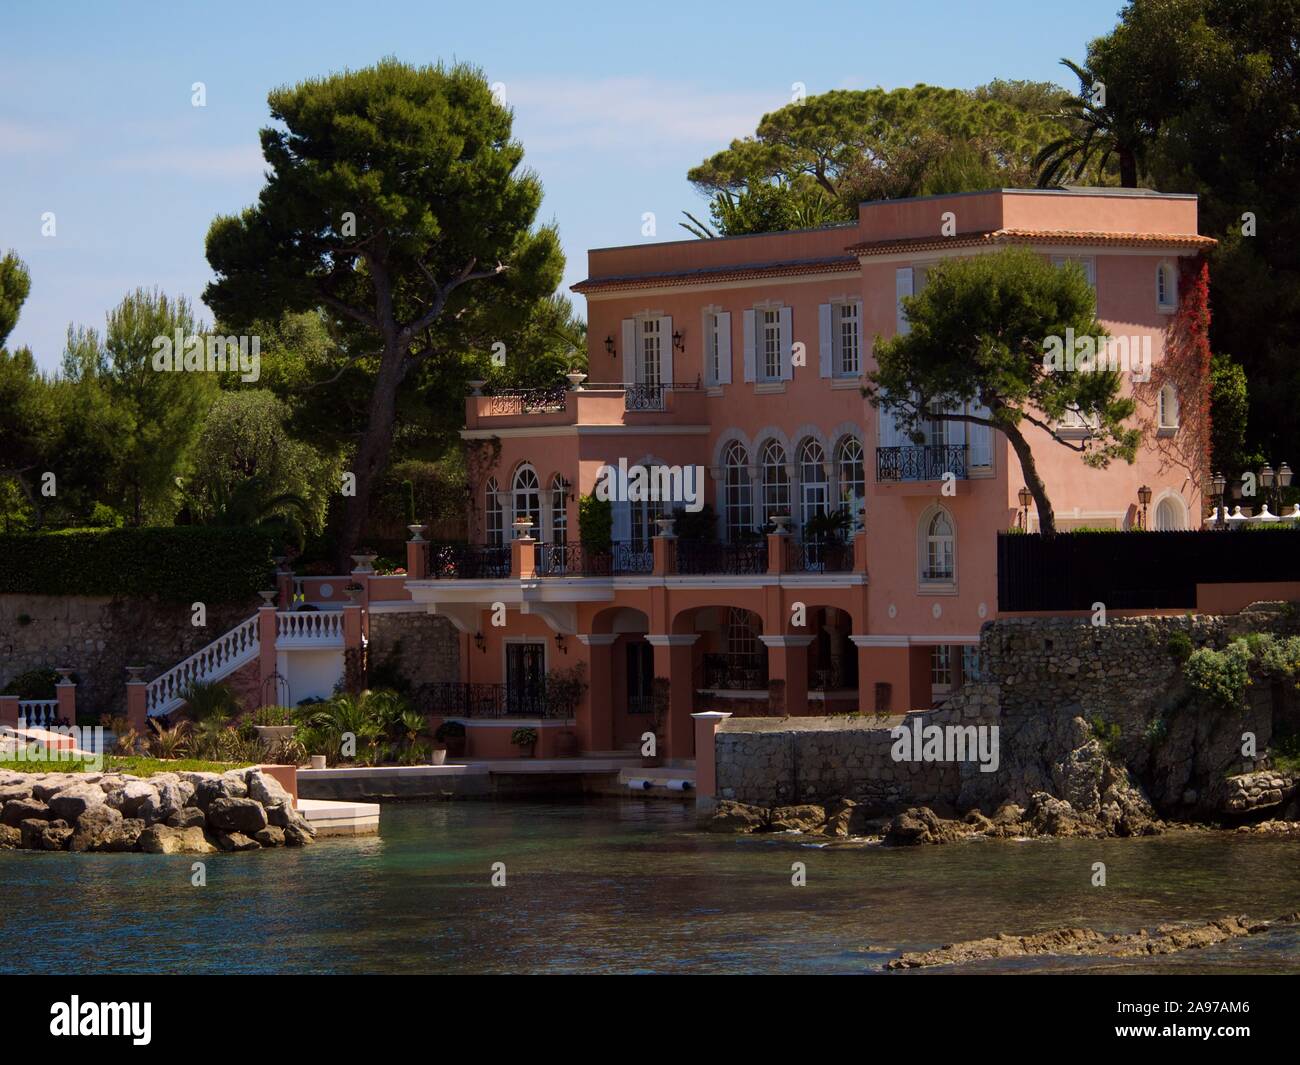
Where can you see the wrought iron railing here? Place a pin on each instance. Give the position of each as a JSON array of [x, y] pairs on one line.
[[461, 699], [640, 704], [699, 556], [582, 560], [529, 401], [644, 397], [468, 561], [734, 671], [921, 462], [833, 678], [817, 557]]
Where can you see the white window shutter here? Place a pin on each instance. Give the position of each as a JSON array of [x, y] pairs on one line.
[[723, 325], [862, 338], [825, 339], [666, 351], [751, 333], [629, 351], [787, 342], [902, 287], [621, 526], [981, 439]]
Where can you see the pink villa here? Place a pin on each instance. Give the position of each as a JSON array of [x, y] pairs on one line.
[[744, 357]]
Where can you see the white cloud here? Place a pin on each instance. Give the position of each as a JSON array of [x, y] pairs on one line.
[[631, 113]]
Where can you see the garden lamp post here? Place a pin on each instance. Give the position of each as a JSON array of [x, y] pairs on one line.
[[1026, 497], [1144, 497]]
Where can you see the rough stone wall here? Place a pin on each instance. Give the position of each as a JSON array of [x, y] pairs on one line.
[[423, 648], [98, 637], [1044, 682]]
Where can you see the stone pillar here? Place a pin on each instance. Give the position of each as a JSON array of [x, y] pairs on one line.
[[673, 660], [417, 555], [8, 711], [266, 657], [787, 660], [137, 712], [66, 692], [523, 551], [776, 559], [706, 768], [352, 641], [284, 589], [665, 548], [860, 551], [596, 711]]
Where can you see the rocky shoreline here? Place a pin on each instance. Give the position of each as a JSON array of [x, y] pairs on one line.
[[1086, 942], [1044, 816], [171, 813]]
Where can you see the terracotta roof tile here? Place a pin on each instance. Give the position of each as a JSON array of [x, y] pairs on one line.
[[710, 275], [1035, 236]]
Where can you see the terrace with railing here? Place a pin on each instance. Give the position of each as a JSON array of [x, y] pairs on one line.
[[921, 462], [817, 557], [462, 699], [590, 404], [735, 671], [703, 557]]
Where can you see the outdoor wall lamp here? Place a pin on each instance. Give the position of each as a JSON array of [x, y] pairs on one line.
[[609, 345], [561, 643], [679, 341], [1026, 497], [480, 642], [1144, 497], [566, 486]]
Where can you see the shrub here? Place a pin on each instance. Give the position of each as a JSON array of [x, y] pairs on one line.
[[448, 730], [595, 522], [1179, 646], [272, 715], [178, 564], [34, 684], [1221, 677], [565, 688], [523, 737]]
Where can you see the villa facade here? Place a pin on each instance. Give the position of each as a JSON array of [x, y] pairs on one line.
[[744, 358]]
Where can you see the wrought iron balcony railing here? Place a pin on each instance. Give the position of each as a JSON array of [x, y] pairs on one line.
[[734, 671], [459, 699], [698, 556], [528, 401], [817, 557], [920, 462], [644, 397], [468, 562], [581, 560]]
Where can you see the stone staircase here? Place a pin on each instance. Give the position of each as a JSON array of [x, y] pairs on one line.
[[212, 663]]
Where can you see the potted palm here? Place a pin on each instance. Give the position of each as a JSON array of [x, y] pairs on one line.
[[413, 723], [525, 739], [451, 736]]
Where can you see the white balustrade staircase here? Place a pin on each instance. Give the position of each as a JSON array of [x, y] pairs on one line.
[[215, 662]]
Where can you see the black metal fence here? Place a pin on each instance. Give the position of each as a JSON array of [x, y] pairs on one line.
[[816, 557], [1136, 570], [458, 699], [735, 671], [468, 561], [699, 556]]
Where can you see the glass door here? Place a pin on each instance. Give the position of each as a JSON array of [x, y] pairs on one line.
[[525, 679]]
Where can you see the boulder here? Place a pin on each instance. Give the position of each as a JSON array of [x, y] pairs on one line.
[[41, 835], [236, 841], [132, 827], [807, 817], [299, 836], [46, 785], [736, 817], [283, 815], [17, 811], [237, 815], [162, 839], [70, 803], [270, 836], [208, 789], [168, 797], [10, 837], [266, 789], [9, 792], [187, 817], [844, 817], [98, 829], [131, 796]]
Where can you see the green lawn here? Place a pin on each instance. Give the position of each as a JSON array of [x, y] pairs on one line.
[[135, 765]]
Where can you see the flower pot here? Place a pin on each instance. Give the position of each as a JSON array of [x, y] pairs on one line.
[[438, 756], [455, 747], [527, 751], [272, 735], [566, 744], [318, 761]]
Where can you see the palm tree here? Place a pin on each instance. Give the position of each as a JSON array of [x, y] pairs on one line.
[[1099, 132], [255, 502]]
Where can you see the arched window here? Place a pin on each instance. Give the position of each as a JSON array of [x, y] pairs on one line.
[[737, 502], [1170, 515], [742, 634], [1167, 405], [559, 513], [814, 492], [1166, 287], [494, 519], [776, 481], [938, 561], [527, 497], [853, 485]]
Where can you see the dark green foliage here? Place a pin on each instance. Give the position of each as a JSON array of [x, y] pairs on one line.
[[34, 684], [595, 522], [182, 564]]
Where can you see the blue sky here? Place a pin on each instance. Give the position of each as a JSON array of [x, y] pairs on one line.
[[613, 103]]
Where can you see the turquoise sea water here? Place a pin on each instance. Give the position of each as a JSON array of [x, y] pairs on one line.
[[624, 886]]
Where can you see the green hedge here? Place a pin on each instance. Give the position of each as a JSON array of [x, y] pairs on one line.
[[184, 564]]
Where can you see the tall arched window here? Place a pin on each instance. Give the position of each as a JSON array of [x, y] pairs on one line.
[[559, 513], [527, 497], [737, 502], [1170, 515], [814, 492], [494, 519], [1166, 287], [776, 481], [938, 563], [742, 633], [853, 485]]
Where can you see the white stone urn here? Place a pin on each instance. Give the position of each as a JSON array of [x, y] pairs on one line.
[[781, 521], [415, 531], [575, 381], [273, 735], [523, 528], [666, 527], [363, 563], [477, 386], [269, 596], [438, 756], [318, 761]]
